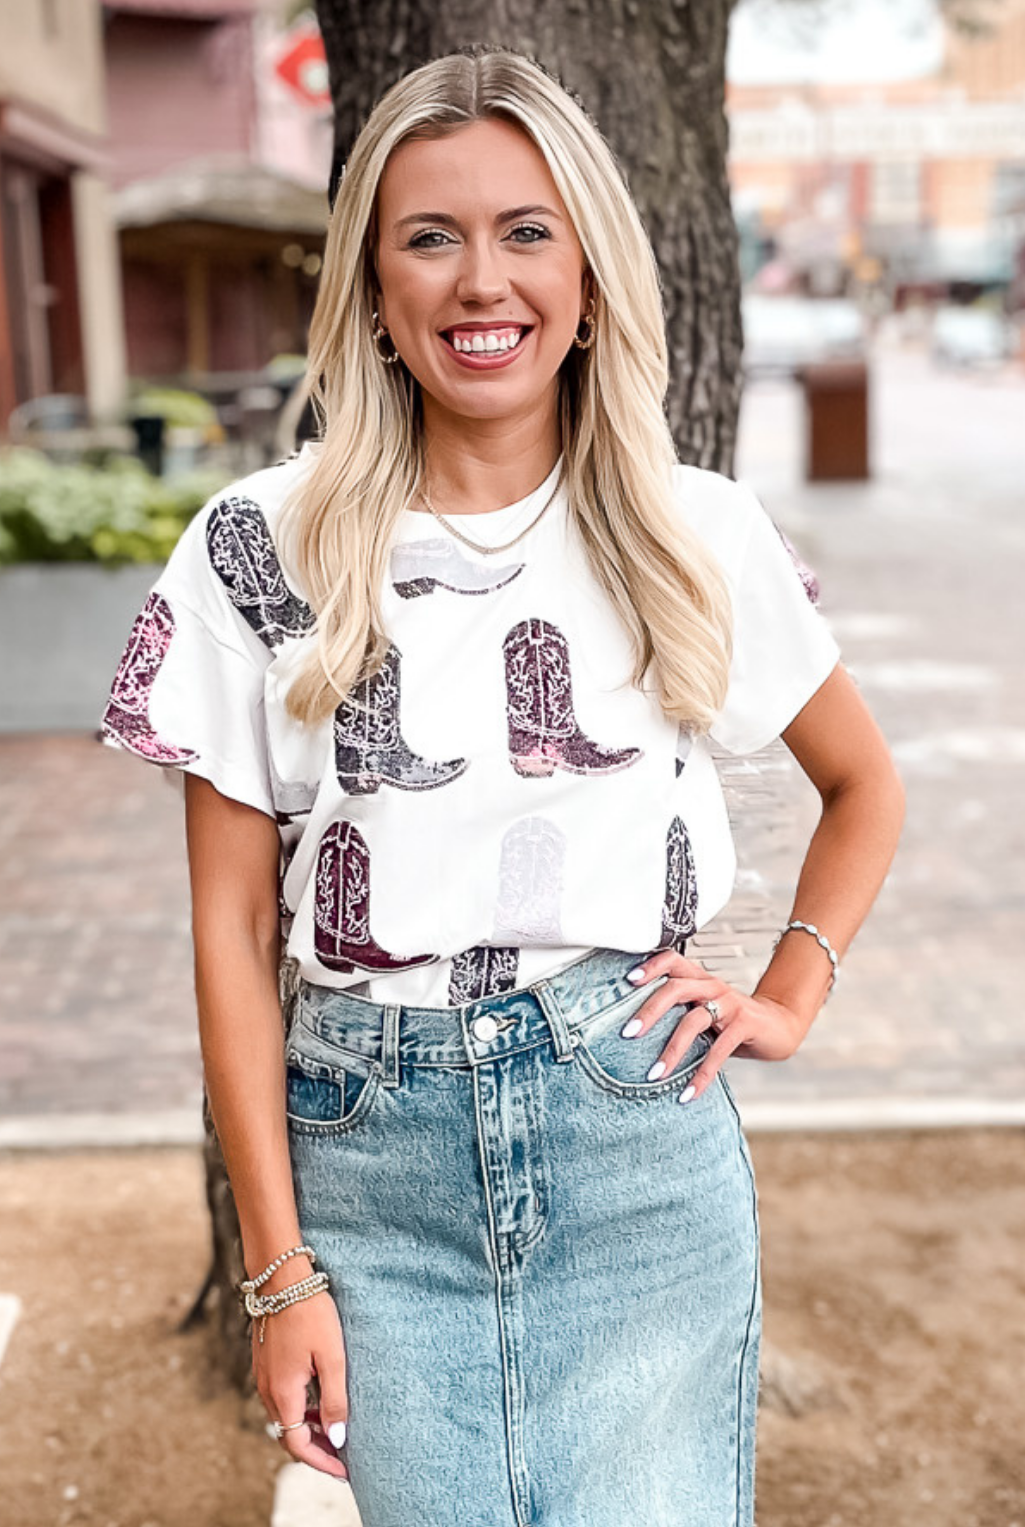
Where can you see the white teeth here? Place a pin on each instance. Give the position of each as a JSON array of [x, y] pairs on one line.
[[487, 343]]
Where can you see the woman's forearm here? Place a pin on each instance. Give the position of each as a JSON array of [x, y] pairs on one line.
[[242, 1043], [847, 860]]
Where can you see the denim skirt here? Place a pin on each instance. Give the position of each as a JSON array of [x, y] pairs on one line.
[[547, 1270]]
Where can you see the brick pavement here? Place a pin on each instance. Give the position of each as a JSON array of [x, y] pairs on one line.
[[920, 572]]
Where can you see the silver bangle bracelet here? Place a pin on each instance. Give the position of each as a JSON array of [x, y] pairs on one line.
[[821, 940]]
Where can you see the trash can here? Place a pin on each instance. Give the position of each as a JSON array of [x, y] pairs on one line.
[[836, 420], [149, 441]]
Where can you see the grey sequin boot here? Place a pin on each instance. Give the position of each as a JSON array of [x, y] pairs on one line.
[[419, 567], [369, 749], [482, 971], [242, 554], [679, 911]]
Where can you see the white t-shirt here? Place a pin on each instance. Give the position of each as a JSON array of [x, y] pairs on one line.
[[503, 799]]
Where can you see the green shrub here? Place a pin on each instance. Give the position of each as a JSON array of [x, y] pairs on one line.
[[118, 513]]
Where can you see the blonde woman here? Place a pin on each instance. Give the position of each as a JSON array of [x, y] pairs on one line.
[[443, 687]]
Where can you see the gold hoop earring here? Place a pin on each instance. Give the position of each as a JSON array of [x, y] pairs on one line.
[[585, 344], [379, 333]]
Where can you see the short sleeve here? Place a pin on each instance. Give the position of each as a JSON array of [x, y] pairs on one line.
[[783, 649], [188, 692]]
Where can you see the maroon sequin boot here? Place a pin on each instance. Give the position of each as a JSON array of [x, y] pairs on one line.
[[341, 911], [543, 732]]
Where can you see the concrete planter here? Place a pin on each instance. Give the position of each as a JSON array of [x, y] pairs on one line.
[[63, 626]]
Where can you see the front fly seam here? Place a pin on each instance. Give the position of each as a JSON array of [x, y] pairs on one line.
[[500, 1251]]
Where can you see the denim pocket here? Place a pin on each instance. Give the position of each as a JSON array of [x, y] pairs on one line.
[[621, 1065], [327, 1096]]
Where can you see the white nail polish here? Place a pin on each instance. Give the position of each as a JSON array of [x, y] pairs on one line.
[[637, 974], [630, 1029], [656, 1071], [687, 1094], [336, 1433]]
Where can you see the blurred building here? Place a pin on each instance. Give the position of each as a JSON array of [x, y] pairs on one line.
[[163, 194], [221, 200], [61, 329], [919, 181]]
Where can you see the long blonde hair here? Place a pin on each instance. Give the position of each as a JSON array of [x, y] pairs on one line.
[[336, 529]]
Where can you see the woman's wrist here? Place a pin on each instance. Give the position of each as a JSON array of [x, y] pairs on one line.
[[799, 976]]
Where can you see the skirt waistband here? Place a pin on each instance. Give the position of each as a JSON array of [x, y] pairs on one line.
[[544, 1012]]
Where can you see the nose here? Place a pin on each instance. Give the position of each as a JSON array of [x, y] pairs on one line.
[[482, 276]]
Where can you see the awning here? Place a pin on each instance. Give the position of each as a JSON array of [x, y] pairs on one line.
[[222, 191]]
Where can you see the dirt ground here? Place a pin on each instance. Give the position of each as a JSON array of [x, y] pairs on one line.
[[894, 1324]]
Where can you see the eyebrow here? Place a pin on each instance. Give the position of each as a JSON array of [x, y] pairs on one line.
[[453, 222]]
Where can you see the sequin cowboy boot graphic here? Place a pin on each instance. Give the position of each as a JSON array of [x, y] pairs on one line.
[[481, 972], [679, 910], [127, 712], [543, 731], [419, 567], [530, 883], [242, 554], [341, 910], [369, 749]]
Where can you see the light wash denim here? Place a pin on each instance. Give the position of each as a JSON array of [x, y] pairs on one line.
[[547, 1270]]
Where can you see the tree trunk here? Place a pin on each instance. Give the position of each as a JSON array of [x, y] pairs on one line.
[[652, 75]]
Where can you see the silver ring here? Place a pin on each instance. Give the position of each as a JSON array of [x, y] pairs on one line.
[[712, 1008], [280, 1428]]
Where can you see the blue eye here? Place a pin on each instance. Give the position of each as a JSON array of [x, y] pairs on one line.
[[418, 241], [428, 233]]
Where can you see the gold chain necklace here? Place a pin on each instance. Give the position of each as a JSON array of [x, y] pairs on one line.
[[489, 551]]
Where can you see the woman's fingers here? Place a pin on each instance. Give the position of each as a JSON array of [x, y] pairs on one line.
[[684, 982], [334, 1402], [684, 1035], [308, 1444], [705, 1075], [283, 1380]]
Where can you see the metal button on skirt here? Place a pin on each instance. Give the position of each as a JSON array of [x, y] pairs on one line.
[[547, 1271]]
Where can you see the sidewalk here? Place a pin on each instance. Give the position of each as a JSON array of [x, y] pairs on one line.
[[920, 573]]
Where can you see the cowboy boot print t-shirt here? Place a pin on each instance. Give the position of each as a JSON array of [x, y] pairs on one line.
[[499, 797]]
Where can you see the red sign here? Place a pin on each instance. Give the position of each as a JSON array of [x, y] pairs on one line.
[[303, 66]]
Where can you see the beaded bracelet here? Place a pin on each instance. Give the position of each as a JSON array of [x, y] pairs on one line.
[[822, 940], [260, 1306], [250, 1285]]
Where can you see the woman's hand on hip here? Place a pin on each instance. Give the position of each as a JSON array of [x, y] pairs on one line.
[[755, 1028], [300, 1341]]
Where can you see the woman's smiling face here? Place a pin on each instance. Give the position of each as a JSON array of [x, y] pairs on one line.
[[480, 269]]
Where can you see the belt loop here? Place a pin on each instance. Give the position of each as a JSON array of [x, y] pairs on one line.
[[556, 1020], [390, 1044]]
